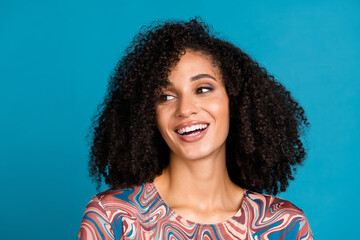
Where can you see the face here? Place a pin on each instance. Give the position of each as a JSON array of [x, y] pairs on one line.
[[192, 113]]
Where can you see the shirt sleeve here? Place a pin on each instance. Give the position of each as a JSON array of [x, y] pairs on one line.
[[304, 232], [95, 223]]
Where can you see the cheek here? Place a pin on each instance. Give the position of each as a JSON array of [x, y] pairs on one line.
[[220, 108]]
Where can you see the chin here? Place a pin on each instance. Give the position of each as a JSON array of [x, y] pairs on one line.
[[196, 153]]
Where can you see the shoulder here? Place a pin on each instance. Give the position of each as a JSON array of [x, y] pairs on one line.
[[120, 198], [272, 205], [109, 212], [278, 215], [126, 201]]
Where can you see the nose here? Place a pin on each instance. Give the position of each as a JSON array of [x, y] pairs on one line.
[[186, 107]]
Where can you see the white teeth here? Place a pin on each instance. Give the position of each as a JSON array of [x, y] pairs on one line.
[[193, 134], [192, 128]]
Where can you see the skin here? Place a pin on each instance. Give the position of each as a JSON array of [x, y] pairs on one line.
[[196, 184]]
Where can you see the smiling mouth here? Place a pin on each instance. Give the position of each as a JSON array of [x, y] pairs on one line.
[[192, 130]]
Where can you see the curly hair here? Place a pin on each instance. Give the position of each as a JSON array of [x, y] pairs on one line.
[[263, 147]]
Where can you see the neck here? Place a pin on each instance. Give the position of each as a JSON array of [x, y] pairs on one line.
[[202, 183]]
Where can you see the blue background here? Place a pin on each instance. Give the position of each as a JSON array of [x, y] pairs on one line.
[[55, 60]]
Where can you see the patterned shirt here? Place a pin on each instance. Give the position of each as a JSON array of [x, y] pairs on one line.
[[140, 213]]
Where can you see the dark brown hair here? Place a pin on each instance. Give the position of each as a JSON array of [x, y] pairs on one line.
[[263, 146]]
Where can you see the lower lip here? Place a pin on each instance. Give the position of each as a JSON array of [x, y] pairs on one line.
[[194, 138]]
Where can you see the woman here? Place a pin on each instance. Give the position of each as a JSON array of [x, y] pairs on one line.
[[190, 135]]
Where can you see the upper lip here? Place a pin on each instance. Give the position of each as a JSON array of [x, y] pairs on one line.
[[189, 124]]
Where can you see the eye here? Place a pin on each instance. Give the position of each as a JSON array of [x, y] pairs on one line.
[[165, 97], [203, 90]]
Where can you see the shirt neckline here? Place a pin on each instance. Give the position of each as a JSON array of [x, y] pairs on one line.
[[187, 222]]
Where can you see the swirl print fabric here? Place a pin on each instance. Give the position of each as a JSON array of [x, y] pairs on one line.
[[140, 213]]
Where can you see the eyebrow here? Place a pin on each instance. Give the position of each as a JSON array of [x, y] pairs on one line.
[[202, 75], [197, 77]]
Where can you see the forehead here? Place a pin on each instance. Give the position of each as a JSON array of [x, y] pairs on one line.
[[192, 65]]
